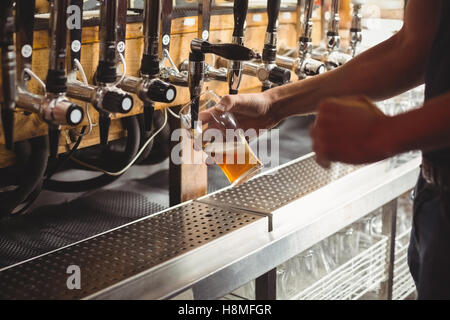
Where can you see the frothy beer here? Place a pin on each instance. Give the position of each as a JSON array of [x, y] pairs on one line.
[[235, 158]]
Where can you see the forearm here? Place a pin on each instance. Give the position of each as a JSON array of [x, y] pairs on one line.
[[426, 129], [379, 73], [385, 70]]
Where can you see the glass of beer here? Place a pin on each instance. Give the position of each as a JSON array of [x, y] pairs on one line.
[[217, 133]]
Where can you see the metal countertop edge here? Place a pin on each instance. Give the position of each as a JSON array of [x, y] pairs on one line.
[[218, 281]]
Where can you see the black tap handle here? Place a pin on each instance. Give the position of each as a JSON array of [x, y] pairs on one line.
[[117, 102], [104, 125], [56, 76], [228, 51], [8, 126], [152, 18], [53, 139], [9, 83], [279, 75], [166, 23], [273, 9], [240, 9], [160, 91], [76, 34], [149, 110], [204, 18], [24, 35]]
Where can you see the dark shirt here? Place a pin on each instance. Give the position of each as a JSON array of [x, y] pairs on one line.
[[437, 74]]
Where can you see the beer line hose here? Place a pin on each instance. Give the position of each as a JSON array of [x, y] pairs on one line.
[[131, 125], [128, 166]]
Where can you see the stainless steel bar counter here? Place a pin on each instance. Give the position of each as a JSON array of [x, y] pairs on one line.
[[208, 247]]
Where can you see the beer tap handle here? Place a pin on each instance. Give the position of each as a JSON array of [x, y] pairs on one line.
[[56, 76], [104, 122], [270, 42], [24, 37], [230, 51], [117, 102], [106, 69], [240, 9], [150, 58], [355, 29], [160, 91], [121, 29], [333, 27], [273, 10], [62, 112], [235, 68], [279, 75], [53, 139], [149, 110], [75, 33], [204, 18], [166, 24], [9, 81]]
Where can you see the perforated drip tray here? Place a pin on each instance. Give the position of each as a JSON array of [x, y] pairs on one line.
[[269, 192], [122, 253]]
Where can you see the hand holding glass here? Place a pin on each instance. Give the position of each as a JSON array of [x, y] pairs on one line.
[[226, 144]]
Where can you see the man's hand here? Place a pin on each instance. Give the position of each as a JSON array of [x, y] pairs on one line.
[[349, 130], [251, 111]]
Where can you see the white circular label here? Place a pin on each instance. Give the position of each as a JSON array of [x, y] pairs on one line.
[[166, 39], [257, 17], [76, 116], [121, 46], [127, 103], [75, 46], [27, 51], [189, 22], [170, 95], [286, 15], [205, 35]]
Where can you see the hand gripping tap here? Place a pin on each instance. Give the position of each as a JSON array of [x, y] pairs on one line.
[[199, 48]]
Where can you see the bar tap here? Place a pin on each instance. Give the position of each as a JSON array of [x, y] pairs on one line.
[[235, 67], [204, 18], [170, 73], [54, 108], [148, 87], [8, 73], [356, 30], [199, 48], [113, 99], [104, 98], [334, 57], [268, 72], [303, 65]]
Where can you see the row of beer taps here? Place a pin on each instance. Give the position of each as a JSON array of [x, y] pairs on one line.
[[158, 73], [112, 91]]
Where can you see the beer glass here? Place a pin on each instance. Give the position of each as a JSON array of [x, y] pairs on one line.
[[226, 145]]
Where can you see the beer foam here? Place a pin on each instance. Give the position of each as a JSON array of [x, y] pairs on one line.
[[227, 147]]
